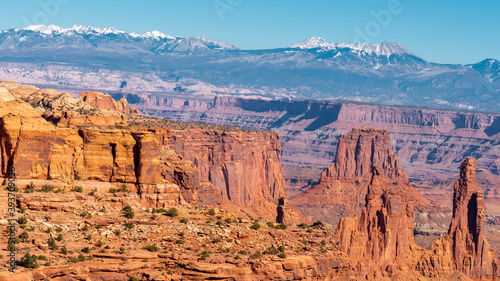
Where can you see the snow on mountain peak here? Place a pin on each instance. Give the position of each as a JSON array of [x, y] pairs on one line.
[[383, 49], [311, 43]]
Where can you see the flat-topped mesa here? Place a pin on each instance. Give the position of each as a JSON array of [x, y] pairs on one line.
[[105, 101], [381, 239], [358, 151]]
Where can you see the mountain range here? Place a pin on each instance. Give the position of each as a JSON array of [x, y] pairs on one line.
[[108, 59]]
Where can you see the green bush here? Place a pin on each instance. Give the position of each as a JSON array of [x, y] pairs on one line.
[[228, 220], [271, 251], [152, 248], [24, 236], [52, 244], [281, 226], [123, 188], [243, 252], [282, 255], [78, 189], [211, 212], [64, 250], [29, 261], [270, 224], [86, 250], [127, 212], [184, 220], [129, 225], [303, 225], [30, 188], [60, 237], [255, 225], [59, 229], [113, 190], [180, 241], [281, 248], [172, 212], [255, 255], [47, 188], [22, 220]]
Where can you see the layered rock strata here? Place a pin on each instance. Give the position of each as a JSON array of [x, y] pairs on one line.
[[45, 143]]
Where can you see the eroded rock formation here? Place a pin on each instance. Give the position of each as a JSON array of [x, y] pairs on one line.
[[343, 186], [245, 167], [52, 136], [465, 248], [380, 242], [105, 101]]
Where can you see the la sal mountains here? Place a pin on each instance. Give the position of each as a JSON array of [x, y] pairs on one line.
[[154, 63]]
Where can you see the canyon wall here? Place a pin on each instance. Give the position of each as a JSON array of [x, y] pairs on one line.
[[309, 129], [231, 168], [430, 143]]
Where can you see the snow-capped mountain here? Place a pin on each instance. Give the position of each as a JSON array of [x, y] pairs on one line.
[[88, 37], [383, 49], [312, 69], [489, 68]]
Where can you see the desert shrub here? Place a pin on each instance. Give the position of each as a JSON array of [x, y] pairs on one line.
[[64, 250], [255, 255], [29, 261], [271, 251], [113, 190], [129, 225], [24, 236], [152, 248], [255, 225], [78, 189], [281, 226], [318, 224], [211, 212], [172, 212], [47, 188], [52, 244], [303, 225], [229, 220], [86, 250], [22, 220], [123, 188], [127, 212], [30, 188], [184, 220]]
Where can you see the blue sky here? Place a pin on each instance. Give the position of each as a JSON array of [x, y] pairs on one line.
[[439, 31]]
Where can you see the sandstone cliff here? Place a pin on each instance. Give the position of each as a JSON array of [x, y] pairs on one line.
[[245, 167], [105, 101], [52, 136]]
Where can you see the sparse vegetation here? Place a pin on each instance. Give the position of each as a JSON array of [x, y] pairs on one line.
[[127, 212], [172, 212], [255, 226], [152, 248], [29, 261]]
